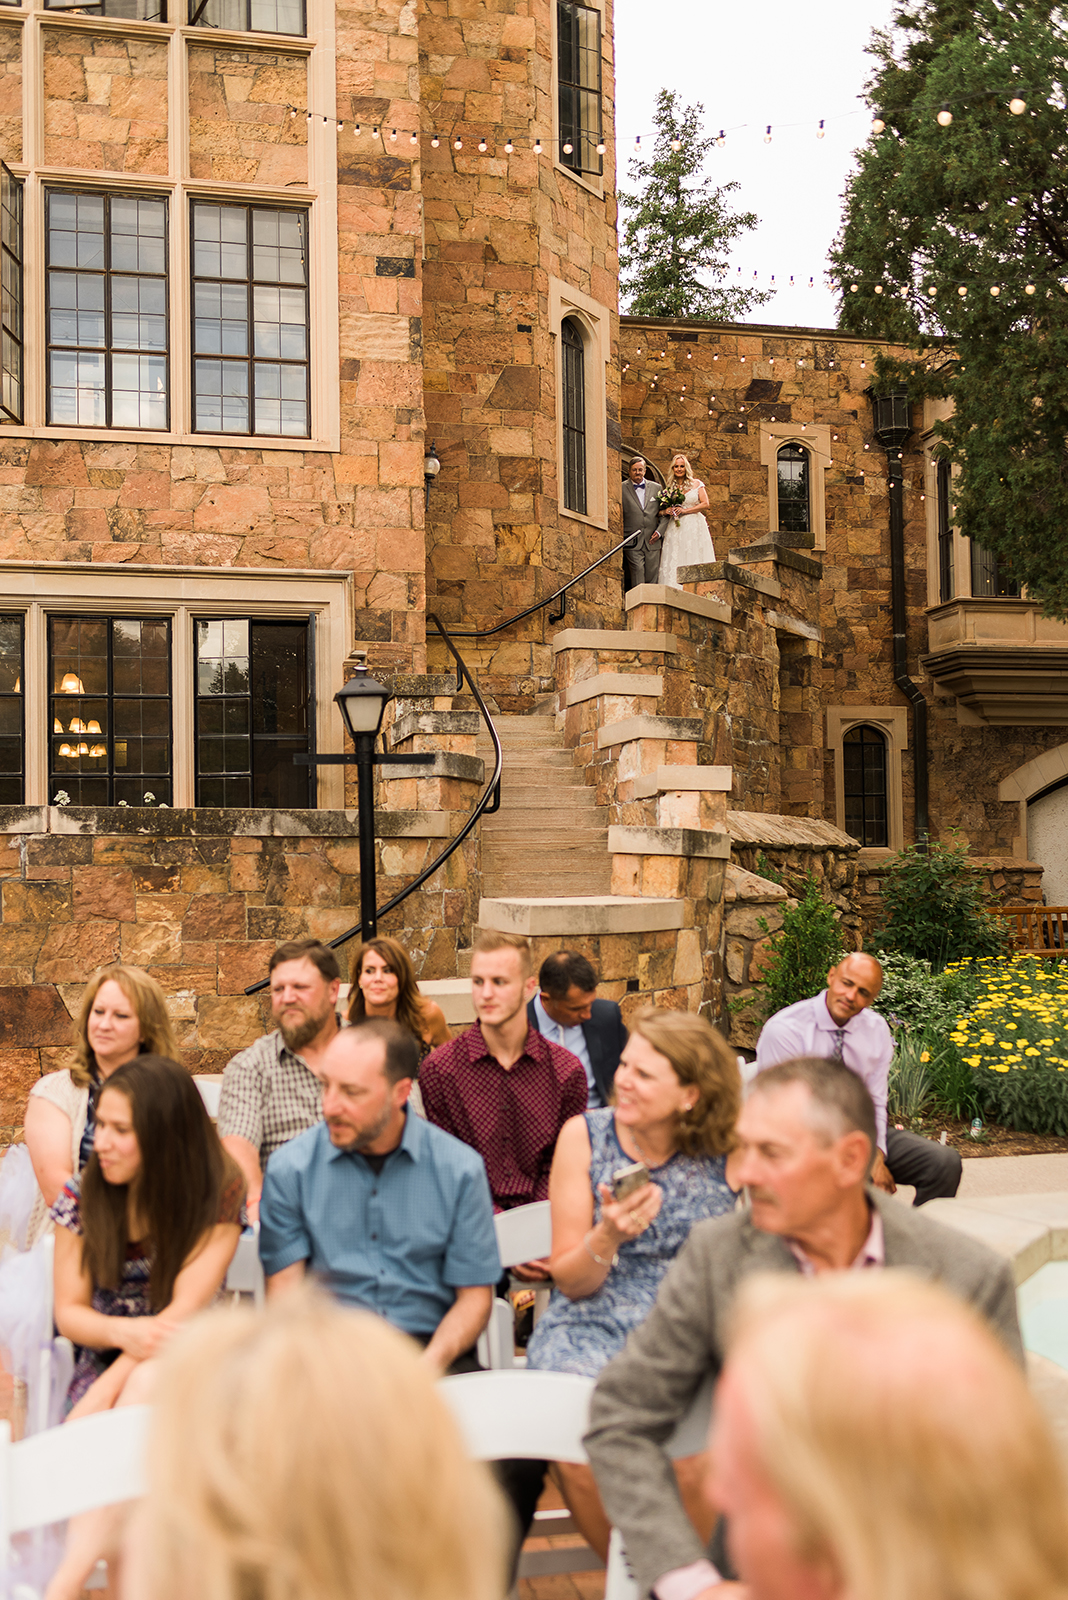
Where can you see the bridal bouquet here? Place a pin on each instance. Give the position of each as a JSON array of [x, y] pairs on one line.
[[671, 499]]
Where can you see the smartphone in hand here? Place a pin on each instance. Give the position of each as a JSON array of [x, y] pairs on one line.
[[625, 1180]]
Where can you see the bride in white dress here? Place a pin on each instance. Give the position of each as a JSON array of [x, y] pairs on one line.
[[684, 531]]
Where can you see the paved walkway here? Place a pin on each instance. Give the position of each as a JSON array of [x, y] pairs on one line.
[[995, 1175]]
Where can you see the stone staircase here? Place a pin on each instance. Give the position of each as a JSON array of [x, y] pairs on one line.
[[550, 837]]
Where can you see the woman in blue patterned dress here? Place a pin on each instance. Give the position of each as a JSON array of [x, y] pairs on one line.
[[144, 1237], [677, 1093]]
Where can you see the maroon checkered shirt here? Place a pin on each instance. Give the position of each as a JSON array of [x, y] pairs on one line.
[[512, 1118]]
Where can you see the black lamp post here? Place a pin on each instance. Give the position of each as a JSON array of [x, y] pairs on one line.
[[362, 702]]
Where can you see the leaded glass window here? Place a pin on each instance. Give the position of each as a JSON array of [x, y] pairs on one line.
[[250, 16], [578, 38], [573, 400], [795, 514], [864, 774], [945, 532], [12, 723], [254, 712], [123, 10], [110, 710], [991, 577], [10, 296], [107, 310], [250, 320]]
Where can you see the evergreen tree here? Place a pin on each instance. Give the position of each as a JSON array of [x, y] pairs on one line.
[[964, 228], [678, 231]]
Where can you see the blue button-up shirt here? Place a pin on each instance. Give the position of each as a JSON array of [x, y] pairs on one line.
[[399, 1242]]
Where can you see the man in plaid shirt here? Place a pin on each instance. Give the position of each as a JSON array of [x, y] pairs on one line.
[[271, 1091]]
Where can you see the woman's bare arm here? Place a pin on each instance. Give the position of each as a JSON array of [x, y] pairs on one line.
[[48, 1139], [576, 1240]]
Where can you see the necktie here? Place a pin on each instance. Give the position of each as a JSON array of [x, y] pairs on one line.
[[839, 1042]]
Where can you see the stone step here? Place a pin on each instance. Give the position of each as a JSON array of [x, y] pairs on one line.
[[534, 760], [547, 884], [555, 915], [515, 835], [572, 796]]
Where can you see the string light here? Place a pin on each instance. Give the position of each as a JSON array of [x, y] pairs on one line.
[[393, 136], [995, 290], [414, 139], [722, 140], [537, 147], [1017, 105], [435, 141], [568, 148], [877, 123], [509, 148], [945, 115], [601, 148], [457, 143], [676, 145], [767, 134], [821, 131], [482, 146], [1029, 288]]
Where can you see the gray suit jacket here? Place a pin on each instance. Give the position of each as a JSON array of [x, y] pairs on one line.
[[648, 1387], [635, 519]]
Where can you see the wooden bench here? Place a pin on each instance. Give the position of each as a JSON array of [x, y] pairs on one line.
[[1036, 930]]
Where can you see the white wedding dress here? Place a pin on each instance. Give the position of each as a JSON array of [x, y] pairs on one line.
[[686, 543]]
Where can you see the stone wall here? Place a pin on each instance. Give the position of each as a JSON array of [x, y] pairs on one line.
[[498, 227]]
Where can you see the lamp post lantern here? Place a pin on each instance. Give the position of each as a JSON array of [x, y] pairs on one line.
[[431, 468], [362, 702]]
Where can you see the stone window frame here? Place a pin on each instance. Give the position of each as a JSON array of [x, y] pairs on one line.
[[815, 437], [181, 593], [594, 321], [893, 722], [593, 184], [319, 196]]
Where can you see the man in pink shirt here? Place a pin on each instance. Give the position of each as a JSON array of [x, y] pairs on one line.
[[806, 1140]]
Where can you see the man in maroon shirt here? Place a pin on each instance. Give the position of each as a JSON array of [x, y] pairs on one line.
[[501, 1086]]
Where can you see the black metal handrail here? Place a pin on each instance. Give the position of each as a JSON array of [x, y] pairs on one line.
[[520, 616], [488, 802]]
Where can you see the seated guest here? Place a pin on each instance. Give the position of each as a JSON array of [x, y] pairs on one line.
[[306, 1454], [805, 1145], [500, 1086], [271, 1091], [383, 985], [391, 1212], [568, 1011], [872, 1437], [144, 1237], [123, 1014], [677, 1095]]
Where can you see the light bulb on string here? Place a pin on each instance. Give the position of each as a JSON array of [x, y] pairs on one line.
[[767, 134], [374, 132], [722, 140], [878, 288], [1017, 105], [962, 291], [292, 112], [309, 116], [509, 148], [457, 144], [568, 148], [995, 290], [1029, 288], [932, 290], [414, 139], [877, 123], [434, 143], [676, 145], [340, 127], [483, 147], [854, 288], [821, 131], [638, 145], [537, 147], [393, 136], [601, 148], [945, 115]]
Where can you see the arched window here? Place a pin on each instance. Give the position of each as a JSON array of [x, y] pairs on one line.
[[573, 402], [794, 509], [864, 774]]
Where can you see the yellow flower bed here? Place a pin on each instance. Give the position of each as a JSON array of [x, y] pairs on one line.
[[1017, 1026]]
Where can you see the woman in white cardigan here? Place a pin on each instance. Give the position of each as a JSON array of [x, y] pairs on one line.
[[123, 1013]]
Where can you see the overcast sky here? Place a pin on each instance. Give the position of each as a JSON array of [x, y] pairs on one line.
[[752, 63]]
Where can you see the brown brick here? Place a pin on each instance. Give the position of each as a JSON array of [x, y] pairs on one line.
[[215, 917], [33, 1015], [103, 892]]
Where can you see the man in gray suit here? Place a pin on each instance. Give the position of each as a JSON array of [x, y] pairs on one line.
[[641, 512], [806, 1138]]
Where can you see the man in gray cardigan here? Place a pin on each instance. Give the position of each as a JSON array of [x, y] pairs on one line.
[[641, 513], [806, 1138]]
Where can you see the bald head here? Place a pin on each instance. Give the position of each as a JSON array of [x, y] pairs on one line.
[[852, 986]]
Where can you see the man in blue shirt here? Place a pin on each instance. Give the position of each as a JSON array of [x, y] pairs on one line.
[[391, 1212]]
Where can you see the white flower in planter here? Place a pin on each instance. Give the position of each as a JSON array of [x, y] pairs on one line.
[[62, 798]]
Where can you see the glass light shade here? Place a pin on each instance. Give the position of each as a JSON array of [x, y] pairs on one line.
[[83, 749], [57, 726], [98, 750], [93, 726], [76, 725], [71, 684], [362, 702], [65, 750]]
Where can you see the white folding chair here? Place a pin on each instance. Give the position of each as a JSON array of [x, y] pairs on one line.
[[523, 1234], [210, 1086], [245, 1275], [98, 1461]]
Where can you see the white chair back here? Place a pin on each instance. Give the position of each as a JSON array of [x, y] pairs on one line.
[[245, 1275], [537, 1416], [210, 1087], [524, 1233], [98, 1461]]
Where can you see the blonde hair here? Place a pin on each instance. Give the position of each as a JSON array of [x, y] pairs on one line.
[[148, 1001], [701, 1056], [303, 1453], [678, 456], [490, 941], [902, 1438]]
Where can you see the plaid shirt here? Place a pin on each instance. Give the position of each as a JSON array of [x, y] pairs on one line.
[[269, 1095], [511, 1117]]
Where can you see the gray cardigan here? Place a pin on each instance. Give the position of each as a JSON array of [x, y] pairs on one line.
[[648, 1387]]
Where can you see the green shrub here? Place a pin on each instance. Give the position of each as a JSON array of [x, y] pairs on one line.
[[808, 944], [909, 1086], [934, 907], [916, 999]]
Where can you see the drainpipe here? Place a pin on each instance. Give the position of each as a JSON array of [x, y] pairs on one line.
[[892, 428]]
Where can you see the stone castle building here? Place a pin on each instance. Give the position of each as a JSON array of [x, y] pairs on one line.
[[310, 344]]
